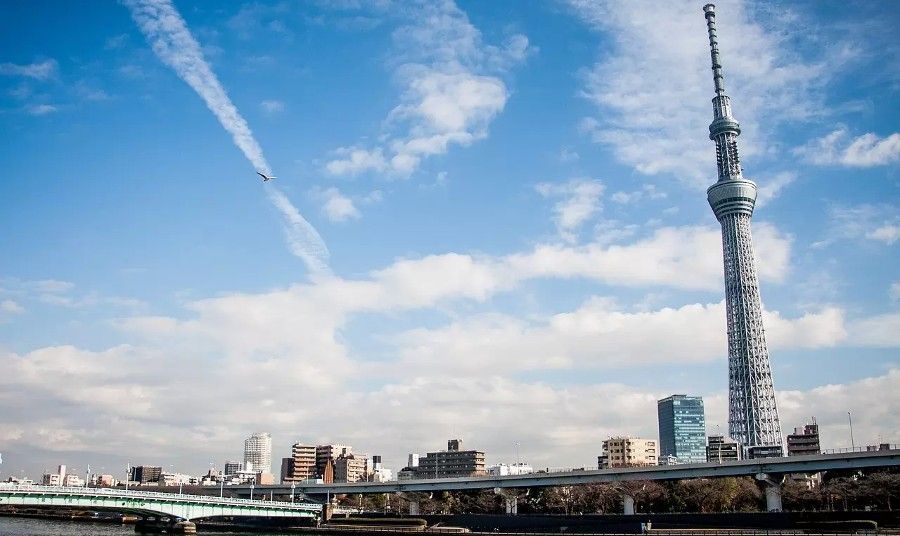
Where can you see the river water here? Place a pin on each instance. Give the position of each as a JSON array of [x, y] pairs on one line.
[[17, 526]]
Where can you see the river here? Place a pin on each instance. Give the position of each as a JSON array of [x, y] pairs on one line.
[[18, 526]]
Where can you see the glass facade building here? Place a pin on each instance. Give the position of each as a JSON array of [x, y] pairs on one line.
[[682, 428]]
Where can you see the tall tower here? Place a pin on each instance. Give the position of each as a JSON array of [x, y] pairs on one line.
[[752, 414]]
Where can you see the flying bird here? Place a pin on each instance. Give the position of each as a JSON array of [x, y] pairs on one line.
[[265, 177]]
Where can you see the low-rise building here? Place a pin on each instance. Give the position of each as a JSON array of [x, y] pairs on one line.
[[287, 470], [451, 463], [628, 452], [54, 479], [804, 441], [145, 474], [73, 481], [232, 467], [721, 449], [325, 457], [503, 469], [351, 468]]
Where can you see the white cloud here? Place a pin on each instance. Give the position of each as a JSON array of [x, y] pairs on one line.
[[881, 331], [580, 201], [653, 89], [41, 109], [886, 233], [354, 160], [270, 345], [647, 191], [880, 223], [40, 71], [770, 188], [51, 286], [894, 291], [680, 257], [174, 45], [451, 91], [837, 148], [272, 106], [598, 335], [337, 206], [567, 155], [10, 307]]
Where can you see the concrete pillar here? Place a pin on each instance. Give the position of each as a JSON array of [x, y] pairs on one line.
[[627, 504], [185, 527], [772, 488], [511, 498], [413, 498]]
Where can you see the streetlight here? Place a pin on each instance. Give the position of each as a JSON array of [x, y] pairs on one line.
[[252, 485], [852, 443], [293, 485]]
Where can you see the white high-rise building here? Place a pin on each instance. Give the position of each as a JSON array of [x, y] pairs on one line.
[[258, 452]]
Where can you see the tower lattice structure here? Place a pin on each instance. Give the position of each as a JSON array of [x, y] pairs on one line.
[[752, 412]]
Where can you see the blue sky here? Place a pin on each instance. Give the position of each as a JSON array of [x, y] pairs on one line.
[[512, 198]]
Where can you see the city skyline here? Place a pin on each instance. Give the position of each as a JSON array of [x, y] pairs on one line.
[[517, 250]]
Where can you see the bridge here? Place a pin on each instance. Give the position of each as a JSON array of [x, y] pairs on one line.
[[770, 471], [152, 504]]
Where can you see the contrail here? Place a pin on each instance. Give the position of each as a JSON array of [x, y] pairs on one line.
[[174, 45]]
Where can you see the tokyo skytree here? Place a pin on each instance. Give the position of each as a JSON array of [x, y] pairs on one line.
[[752, 414]]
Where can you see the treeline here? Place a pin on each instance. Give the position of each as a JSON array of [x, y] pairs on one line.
[[876, 491]]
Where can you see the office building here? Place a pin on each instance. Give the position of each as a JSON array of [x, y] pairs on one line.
[[258, 453], [287, 470], [454, 462], [719, 449], [351, 468], [413, 460], [232, 467], [628, 452], [325, 457], [682, 429], [145, 474], [804, 441], [54, 479]]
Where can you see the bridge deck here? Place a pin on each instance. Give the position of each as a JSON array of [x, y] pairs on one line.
[[772, 466], [150, 503]]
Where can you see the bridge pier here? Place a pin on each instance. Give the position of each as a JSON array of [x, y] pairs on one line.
[[627, 504], [511, 497], [772, 490], [413, 498]]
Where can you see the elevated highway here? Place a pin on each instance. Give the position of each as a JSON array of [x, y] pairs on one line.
[[769, 471]]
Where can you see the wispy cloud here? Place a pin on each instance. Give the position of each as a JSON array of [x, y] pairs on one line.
[[647, 191], [839, 148], [771, 187], [879, 223], [653, 90], [40, 71], [451, 92], [271, 106], [10, 307], [41, 109], [173, 43], [579, 200]]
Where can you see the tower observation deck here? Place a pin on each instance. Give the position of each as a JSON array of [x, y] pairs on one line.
[[752, 412]]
